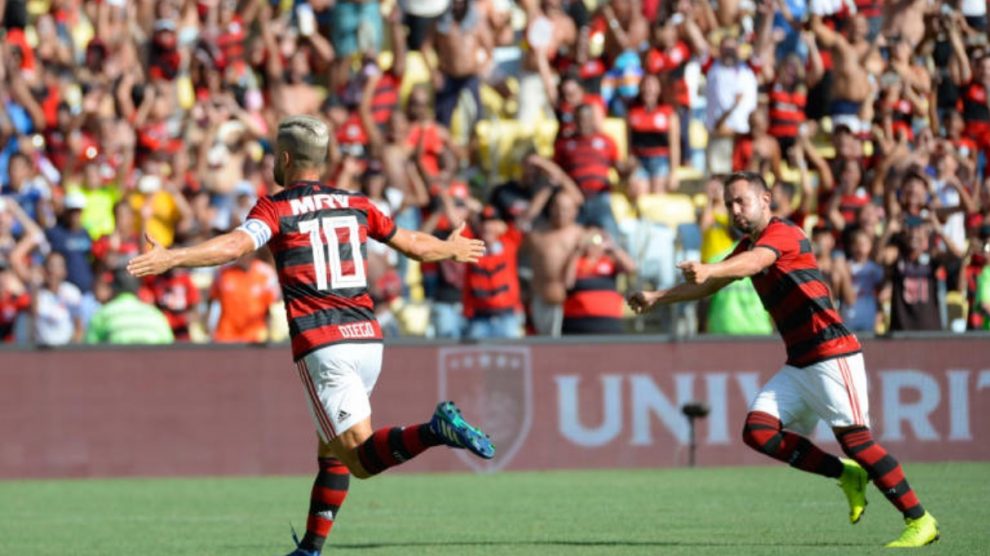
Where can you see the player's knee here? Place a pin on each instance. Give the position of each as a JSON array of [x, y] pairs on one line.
[[854, 440], [758, 431], [352, 460], [749, 437], [358, 472]]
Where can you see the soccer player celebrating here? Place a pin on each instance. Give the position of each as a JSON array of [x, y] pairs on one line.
[[318, 235], [824, 377]]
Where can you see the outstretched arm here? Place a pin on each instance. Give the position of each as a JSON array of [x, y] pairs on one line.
[[737, 266], [424, 247], [645, 301], [219, 250]]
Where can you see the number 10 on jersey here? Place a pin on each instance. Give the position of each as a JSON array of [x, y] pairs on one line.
[[328, 252]]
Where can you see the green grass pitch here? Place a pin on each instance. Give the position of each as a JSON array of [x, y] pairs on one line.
[[748, 510]]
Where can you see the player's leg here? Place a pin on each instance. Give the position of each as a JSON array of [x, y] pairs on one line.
[[780, 404], [340, 379], [844, 404], [368, 453], [326, 498]]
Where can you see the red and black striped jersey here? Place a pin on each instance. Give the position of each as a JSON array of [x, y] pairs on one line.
[[649, 130], [595, 292], [786, 111], [669, 66], [587, 160], [491, 285], [318, 235], [973, 103], [869, 8], [796, 295], [385, 98]]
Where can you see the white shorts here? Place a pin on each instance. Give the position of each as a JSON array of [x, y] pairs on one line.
[[833, 391], [339, 380]]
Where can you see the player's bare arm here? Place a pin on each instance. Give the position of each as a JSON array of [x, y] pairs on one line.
[[219, 250], [428, 249], [738, 266], [645, 301]]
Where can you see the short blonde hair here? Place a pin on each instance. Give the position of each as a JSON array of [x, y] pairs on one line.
[[306, 139]]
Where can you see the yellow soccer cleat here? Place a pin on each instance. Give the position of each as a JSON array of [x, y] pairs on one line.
[[917, 532], [853, 484]]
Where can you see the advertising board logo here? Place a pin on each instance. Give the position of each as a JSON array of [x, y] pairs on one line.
[[493, 385]]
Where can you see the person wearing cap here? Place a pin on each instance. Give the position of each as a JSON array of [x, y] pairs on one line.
[[125, 319], [70, 238]]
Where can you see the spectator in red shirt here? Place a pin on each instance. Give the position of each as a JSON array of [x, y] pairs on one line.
[[428, 139], [177, 297], [667, 59], [594, 304], [15, 304], [842, 205], [788, 95], [380, 90], [492, 298], [587, 157], [655, 136]]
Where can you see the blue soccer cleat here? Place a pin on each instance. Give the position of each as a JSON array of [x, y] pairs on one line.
[[300, 551], [448, 426]]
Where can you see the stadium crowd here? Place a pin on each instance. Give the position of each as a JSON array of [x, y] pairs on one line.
[[582, 140]]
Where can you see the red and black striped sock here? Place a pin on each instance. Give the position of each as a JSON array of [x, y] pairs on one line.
[[329, 491], [764, 433], [390, 447], [886, 473]]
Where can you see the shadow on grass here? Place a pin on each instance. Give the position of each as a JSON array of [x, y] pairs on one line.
[[588, 543]]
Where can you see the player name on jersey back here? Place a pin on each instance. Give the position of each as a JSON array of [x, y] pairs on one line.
[[319, 201], [357, 330]]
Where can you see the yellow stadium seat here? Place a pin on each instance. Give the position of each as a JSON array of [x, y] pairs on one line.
[[416, 73], [669, 209], [688, 173], [956, 306], [37, 8], [385, 59], [544, 134], [616, 129], [413, 317], [414, 279], [502, 143], [697, 135], [787, 173], [622, 209]]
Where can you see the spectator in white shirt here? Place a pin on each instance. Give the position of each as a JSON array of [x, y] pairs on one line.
[[56, 309], [731, 97]]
